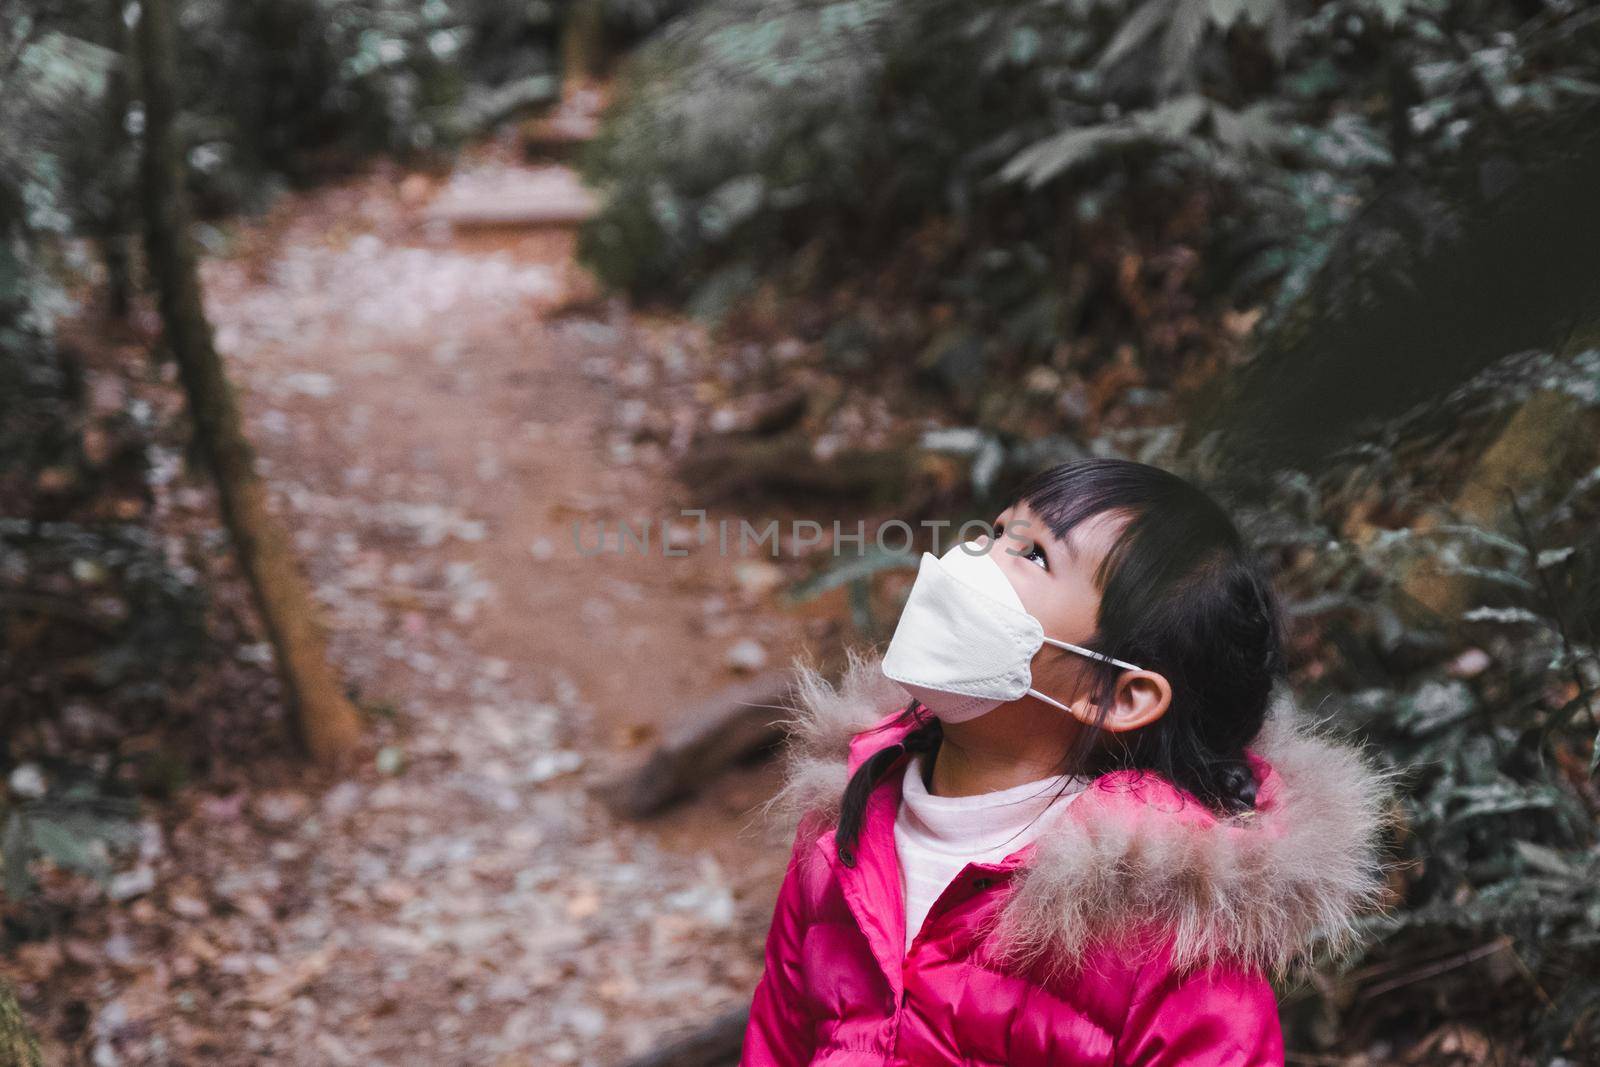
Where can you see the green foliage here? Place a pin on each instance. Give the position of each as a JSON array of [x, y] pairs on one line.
[[78, 828], [1496, 713], [629, 18], [38, 393], [293, 88], [313, 85], [109, 582], [740, 115], [48, 85], [91, 613], [311, 76], [1040, 144]]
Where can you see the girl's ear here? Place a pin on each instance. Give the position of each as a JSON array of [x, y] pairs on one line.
[[1141, 698]]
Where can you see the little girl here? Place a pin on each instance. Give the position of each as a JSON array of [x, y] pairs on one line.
[[1088, 829]]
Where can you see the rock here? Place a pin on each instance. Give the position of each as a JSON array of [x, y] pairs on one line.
[[415, 189], [553, 764], [390, 760], [342, 799], [746, 657], [259, 653], [152, 842], [134, 883], [27, 781], [585, 1021], [394, 892], [682, 538], [37, 960], [223, 809], [189, 907], [757, 578], [310, 384], [508, 988], [119, 950], [281, 809], [255, 906], [388, 795], [583, 905], [1470, 664], [86, 724], [562, 1051]]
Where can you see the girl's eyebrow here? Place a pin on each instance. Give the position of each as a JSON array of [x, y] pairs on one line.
[[1005, 532], [1043, 542]]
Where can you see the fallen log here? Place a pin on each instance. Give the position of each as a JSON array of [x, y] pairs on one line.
[[737, 468], [715, 1044], [763, 415], [727, 729]]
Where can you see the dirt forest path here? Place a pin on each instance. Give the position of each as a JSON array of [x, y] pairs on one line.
[[432, 424]]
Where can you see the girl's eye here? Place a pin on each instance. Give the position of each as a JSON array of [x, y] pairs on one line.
[[1036, 553]]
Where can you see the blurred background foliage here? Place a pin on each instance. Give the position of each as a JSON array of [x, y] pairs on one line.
[[1045, 229], [278, 93], [1045, 176]]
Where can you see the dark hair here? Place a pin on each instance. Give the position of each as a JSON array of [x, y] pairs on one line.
[[1181, 593]]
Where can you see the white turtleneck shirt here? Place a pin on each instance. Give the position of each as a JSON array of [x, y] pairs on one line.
[[936, 837]]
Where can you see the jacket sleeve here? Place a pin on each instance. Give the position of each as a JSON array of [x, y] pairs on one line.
[[1220, 1016], [780, 1031]]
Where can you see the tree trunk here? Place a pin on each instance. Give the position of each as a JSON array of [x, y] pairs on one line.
[[116, 225], [582, 46], [1549, 442], [329, 724], [17, 1047], [1442, 274]]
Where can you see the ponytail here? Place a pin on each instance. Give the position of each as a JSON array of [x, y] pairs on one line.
[[924, 739]]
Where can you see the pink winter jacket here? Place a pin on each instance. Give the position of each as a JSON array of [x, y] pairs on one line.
[[1138, 929]]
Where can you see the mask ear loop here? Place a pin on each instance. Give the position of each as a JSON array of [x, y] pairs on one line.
[[1091, 654], [1081, 651], [1047, 700]]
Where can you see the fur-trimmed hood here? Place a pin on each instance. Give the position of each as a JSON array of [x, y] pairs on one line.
[[1270, 888]]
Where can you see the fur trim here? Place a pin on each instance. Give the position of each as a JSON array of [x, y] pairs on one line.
[[1268, 889], [816, 747]]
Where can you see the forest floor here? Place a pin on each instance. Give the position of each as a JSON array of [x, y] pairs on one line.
[[434, 411]]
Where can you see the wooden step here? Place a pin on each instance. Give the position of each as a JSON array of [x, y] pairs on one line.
[[526, 200]]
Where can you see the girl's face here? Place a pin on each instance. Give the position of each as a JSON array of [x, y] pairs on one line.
[[1054, 578]]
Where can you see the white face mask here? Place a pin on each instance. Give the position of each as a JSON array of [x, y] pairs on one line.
[[965, 644]]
